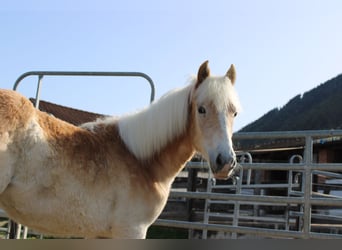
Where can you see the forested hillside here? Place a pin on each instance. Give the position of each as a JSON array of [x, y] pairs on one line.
[[319, 108]]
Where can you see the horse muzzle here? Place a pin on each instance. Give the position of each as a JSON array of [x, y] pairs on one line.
[[223, 165]]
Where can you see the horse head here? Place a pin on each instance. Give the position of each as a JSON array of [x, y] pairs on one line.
[[214, 105]]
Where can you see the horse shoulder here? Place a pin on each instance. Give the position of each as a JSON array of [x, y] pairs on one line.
[[15, 111]]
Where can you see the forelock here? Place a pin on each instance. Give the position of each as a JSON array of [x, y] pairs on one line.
[[220, 92]]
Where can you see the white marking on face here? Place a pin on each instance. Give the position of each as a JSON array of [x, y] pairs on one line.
[[217, 97]]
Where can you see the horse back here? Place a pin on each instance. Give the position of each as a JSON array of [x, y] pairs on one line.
[[15, 111]]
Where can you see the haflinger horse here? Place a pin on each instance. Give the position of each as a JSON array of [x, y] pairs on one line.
[[111, 178]]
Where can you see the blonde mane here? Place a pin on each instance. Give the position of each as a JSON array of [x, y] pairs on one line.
[[147, 131]]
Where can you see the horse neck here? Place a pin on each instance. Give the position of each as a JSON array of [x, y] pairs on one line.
[[171, 160], [160, 136], [150, 130]]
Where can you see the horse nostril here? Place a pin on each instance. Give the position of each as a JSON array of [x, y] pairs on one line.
[[219, 162]]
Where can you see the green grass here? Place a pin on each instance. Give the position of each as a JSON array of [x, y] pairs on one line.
[[156, 232]]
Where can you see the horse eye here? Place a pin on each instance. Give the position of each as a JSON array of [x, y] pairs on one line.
[[201, 110], [235, 114]]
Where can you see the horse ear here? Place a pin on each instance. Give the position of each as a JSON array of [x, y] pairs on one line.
[[231, 73], [203, 73]]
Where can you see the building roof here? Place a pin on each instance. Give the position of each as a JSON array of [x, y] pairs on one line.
[[71, 115]]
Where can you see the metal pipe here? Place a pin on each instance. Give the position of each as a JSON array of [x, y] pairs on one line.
[[86, 73], [255, 198], [242, 230], [276, 166], [307, 186], [287, 134], [40, 79]]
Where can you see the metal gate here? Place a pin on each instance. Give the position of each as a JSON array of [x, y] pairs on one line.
[[16, 230], [305, 213]]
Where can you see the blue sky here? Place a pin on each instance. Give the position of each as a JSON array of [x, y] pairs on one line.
[[280, 48]]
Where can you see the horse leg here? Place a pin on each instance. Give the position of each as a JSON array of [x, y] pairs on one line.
[[6, 170], [130, 233], [6, 173], [123, 234]]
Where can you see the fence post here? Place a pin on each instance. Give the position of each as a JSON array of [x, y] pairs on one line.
[[307, 186], [191, 187]]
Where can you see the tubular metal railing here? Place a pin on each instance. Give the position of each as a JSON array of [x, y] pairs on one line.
[[41, 74], [14, 230], [300, 177], [305, 198]]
